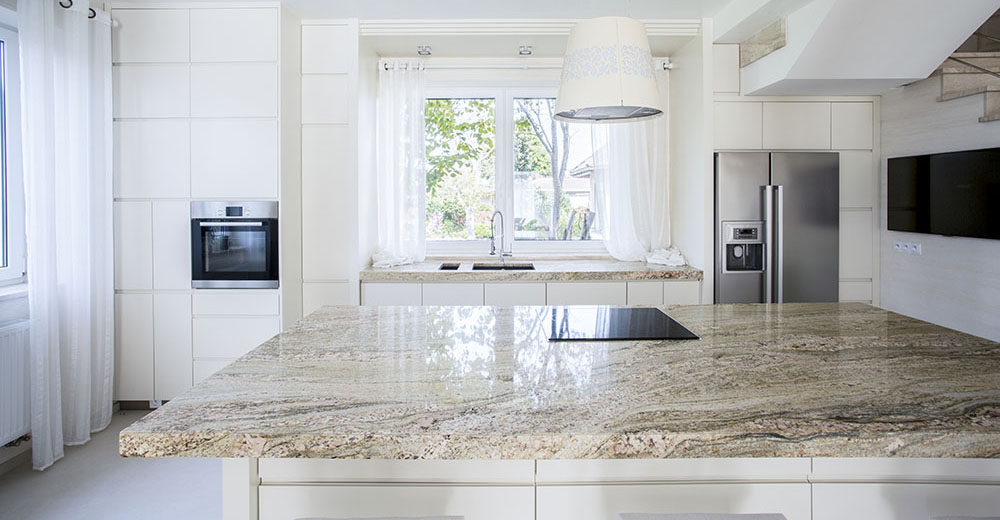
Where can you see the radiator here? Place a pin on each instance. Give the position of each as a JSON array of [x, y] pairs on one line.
[[15, 420]]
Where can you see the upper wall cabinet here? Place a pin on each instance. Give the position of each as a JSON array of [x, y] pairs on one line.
[[852, 126], [234, 159], [738, 126], [151, 36], [234, 35], [796, 126], [323, 49], [234, 90], [150, 91]]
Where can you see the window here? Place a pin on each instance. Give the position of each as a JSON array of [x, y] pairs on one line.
[[500, 149], [11, 187]]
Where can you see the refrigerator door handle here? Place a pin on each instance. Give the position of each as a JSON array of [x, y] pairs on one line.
[[768, 237], [779, 238]]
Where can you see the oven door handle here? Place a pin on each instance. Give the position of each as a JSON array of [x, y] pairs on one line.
[[230, 224]]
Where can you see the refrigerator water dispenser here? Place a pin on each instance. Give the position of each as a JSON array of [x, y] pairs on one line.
[[744, 247]]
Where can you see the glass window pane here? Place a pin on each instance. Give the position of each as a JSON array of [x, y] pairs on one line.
[[459, 140], [553, 167]]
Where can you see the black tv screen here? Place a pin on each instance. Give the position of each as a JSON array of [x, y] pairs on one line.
[[955, 194]]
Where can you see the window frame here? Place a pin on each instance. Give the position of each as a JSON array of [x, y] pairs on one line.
[[12, 183], [503, 174]]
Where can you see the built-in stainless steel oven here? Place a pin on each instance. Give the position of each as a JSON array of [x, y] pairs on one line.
[[234, 245]]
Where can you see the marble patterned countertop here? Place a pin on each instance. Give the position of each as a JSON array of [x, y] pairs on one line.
[[550, 270], [824, 380]]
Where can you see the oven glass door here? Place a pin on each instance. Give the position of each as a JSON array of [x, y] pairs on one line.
[[234, 253]]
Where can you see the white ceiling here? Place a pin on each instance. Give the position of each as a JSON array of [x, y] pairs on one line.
[[415, 9]]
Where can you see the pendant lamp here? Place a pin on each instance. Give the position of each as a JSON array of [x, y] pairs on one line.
[[607, 73]]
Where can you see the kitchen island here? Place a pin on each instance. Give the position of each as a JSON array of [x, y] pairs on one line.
[[805, 409]]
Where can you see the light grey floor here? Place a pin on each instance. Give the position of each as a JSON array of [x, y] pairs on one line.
[[92, 481]]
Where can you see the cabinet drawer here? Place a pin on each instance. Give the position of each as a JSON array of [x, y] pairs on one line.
[[452, 294], [645, 293], [469, 502], [345, 471], [374, 293], [221, 303], [682, 292], [205, 367], [878, 501], [231, 337], [504, 294], [586, 293]]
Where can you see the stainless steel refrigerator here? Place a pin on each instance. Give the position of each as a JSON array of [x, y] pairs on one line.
[[777, 227]]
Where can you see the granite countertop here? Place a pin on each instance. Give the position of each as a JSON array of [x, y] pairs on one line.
[[797, 380], [545, 270]]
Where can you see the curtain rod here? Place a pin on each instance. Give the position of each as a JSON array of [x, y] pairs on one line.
[[387, 64], [91, 13]]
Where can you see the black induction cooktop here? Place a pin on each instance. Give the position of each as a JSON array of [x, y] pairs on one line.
[[602, 323]]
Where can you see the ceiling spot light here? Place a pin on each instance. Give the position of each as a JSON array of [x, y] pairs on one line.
[[525, 50], [424, 50]]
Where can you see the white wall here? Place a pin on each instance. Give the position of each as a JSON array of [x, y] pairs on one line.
[[691, 174], [956, 282]]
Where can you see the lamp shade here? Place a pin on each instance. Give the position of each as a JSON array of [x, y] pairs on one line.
[[607, 73]]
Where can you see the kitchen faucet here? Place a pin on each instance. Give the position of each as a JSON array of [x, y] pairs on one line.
[[493, 230]]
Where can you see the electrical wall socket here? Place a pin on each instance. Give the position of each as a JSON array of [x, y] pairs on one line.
[[910, 248]]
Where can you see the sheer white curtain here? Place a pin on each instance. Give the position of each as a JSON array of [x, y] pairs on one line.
[[401, 178], [66, 146], [631, 184]]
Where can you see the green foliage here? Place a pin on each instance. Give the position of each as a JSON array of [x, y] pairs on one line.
[[457, 134], [529, 153]]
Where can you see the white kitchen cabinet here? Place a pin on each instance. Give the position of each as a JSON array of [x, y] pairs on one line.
[[514, 293], [151, 91], [851, 126], [342, 501], [150, 36], [598, 502], [878, 501], [359, 471], [238, 302], [318, 294], [681, 292], [234, 159], [319, 49], [586, 293], [171, 244], [133, 245], [324, 203], [856, 244], [152, 158], [645, 293], [857, 179], [452, 294], [171, 345], [222, 337], [134, 346], [326, 98], [796, 126], [856, 291], [738, 126], [234, 35], [234, 90], [204, 368], [726, 67], [383, 293]]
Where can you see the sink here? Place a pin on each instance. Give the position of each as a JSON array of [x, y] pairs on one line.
[[449, 266], [496, 266]]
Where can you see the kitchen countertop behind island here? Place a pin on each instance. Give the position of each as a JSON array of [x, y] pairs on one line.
[[551, 270], [791, 380]]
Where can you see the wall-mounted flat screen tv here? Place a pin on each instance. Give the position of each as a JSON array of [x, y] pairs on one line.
[[955, 194]]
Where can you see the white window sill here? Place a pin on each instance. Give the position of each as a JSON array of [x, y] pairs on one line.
[[13, 292]]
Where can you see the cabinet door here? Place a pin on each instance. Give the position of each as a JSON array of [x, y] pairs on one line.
[[876, 501], [317, 40], [645, 293], [327, 203], [171, 345], [325, 98], [452, 294], [152, 159], [243, 302], [133, 245], [151, 91], [851, 126], [134, 346], [857, 180], [737, 126], [856, 244], [150, 36], [227, 338], [203, 368], [233, 159], [172, 244], [381, 293], [468, 502], [856, 291], [586, 293], [234, 90], [682, 292], [234, 35], [607, 502], [796, 126], [318, 294], [505, 294]]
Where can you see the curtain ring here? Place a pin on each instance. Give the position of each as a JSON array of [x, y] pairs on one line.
[[93, 14], [66, 6]]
